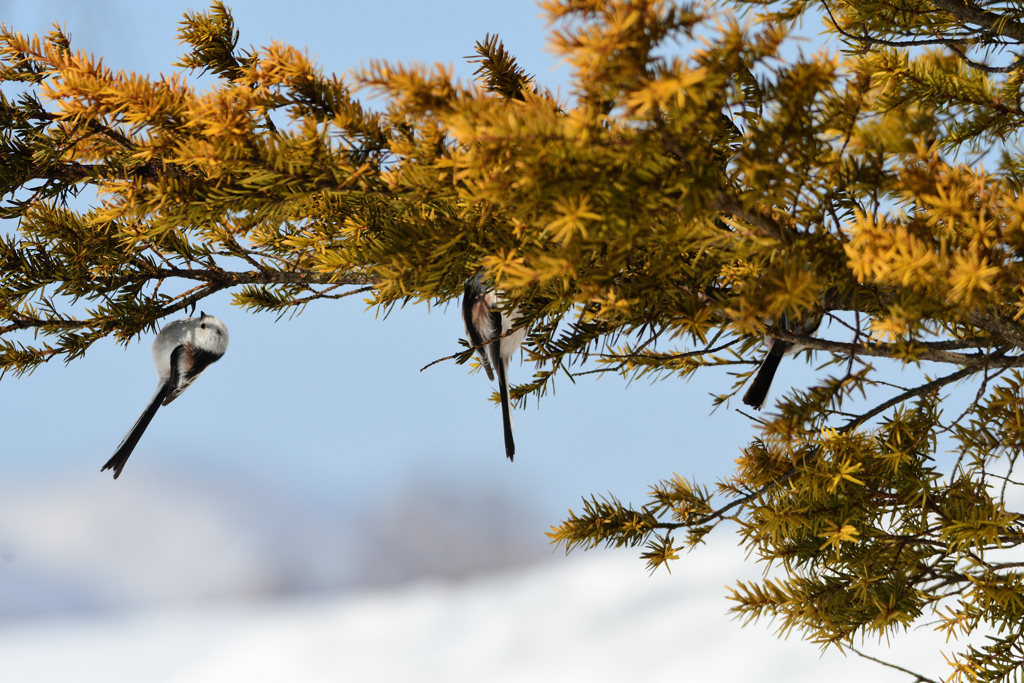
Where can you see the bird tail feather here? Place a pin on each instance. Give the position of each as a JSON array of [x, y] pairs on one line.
[[506, 411], [131, 439], [758, 391]]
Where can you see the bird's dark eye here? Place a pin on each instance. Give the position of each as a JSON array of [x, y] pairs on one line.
[[203, 326]]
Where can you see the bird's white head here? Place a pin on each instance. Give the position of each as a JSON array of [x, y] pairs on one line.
[[210, 335]]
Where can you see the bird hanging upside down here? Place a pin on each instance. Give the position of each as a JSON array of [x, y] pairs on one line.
[[483, 323], [182, 350]]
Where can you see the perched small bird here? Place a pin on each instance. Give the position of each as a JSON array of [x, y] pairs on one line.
[[484, 322], [757, 393], [182, 350]]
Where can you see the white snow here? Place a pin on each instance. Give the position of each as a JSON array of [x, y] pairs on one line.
[[593, 617]]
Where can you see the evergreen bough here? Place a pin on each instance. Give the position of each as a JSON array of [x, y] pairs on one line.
[[653, 222]]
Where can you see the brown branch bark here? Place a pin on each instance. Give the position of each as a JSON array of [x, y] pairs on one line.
[[252, 277], [970, 13], [883, 350], [1007, 329], [216, 281]]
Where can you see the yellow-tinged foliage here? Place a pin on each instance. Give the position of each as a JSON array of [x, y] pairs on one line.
[[701, 187]]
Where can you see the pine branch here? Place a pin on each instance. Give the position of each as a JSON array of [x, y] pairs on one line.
[[928, 351], [969, 13]]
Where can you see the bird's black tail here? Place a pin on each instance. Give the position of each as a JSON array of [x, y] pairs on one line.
[[130, 440], [506, 414], [758, 391]]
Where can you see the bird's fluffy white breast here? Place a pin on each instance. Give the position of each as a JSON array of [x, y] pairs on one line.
[[510, 343]]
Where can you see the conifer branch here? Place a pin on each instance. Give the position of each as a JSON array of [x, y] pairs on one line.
[[851, 425], [469, 351], [867, 40], [918, 678], [969, 13], [931, 351], [226, 278], [920, 390], [1014, 66], [767, 225], [999, 327]]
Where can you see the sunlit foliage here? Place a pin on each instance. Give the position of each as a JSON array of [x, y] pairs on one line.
[[701, 179]]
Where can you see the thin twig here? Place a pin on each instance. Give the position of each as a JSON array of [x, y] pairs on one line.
[[918, 677], [677, 356], [324, 295], [473, 348], [910, 393]]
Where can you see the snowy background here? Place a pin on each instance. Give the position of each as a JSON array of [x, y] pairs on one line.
[[594, 619], [318, 509]]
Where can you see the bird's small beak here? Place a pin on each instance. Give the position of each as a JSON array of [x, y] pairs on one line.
[[201, 314]]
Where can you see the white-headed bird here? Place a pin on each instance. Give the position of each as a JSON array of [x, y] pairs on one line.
[[485, 322], [182, 350]]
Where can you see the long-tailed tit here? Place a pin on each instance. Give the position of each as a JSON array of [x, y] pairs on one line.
[[484, 322], [182, 350], [757, 393]]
